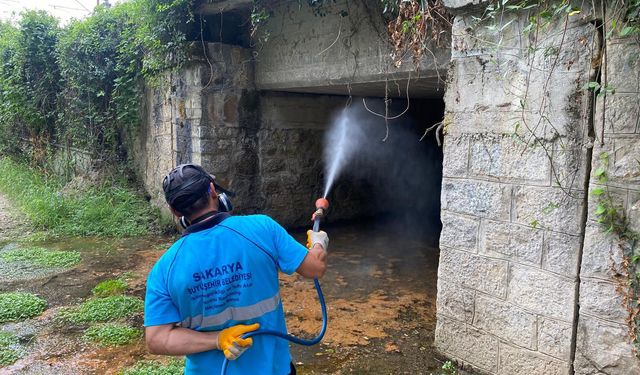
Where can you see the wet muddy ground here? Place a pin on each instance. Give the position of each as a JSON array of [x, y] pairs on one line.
[[380, 289]]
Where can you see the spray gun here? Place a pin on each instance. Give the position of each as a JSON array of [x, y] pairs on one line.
[[322, 205]]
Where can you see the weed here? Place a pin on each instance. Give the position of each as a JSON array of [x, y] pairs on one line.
[[105, 309], [449, 369], [105, 210], [173, 367], [110, 288], [17, 306], [42, 257], [8, 354], [112, 334]]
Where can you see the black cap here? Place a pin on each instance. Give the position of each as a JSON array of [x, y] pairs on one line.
[[185, 184]]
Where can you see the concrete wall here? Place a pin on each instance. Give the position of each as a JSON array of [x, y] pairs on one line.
[[345, 42], [602, 344], [513, 196]]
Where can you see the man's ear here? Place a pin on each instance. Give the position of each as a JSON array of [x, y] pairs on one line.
[[175, 213], [212, 190]]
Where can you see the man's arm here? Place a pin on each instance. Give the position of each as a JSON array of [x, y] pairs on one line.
[[169, 339], [315, 263]]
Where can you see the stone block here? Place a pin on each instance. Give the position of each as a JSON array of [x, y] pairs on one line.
[[455, 301], [599, 252], [548, 208], [541, 292], [623, 65], [569, 164], [518, 361], [455, 4], [505, 321], [504, 157], [554, 338], [602, 347], [600, 298], [622, 113], [458, 232], [459, 340], [468, 40], [560, 254], [511, 241], [456, 154], [623, 162], [476, 198], [484, 120], [475, 272]]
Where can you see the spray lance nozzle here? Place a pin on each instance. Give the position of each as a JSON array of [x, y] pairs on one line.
[[322, 205]]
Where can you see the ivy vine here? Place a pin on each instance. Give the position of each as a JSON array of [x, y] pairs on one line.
[[81, 85]]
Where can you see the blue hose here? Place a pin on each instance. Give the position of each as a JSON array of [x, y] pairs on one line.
[[286, 336]]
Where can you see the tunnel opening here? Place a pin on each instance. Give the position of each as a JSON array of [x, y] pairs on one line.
[[384, 223]]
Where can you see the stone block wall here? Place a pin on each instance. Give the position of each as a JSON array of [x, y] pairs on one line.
[[204, 113], [516, 153], [602, 337]]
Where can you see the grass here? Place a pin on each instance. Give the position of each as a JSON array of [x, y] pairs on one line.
[[111, 287], [42, 257], [8, 354], [17, 306], [110, 209], [100, 310], [112, 334], [173, 367]]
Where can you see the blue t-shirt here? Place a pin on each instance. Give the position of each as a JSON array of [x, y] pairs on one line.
[[222, 276]]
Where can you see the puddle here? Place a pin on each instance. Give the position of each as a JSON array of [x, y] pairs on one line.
[[380, 289]]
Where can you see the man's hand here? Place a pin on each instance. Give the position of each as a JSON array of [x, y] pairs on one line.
[[320, 238], [232, 344]]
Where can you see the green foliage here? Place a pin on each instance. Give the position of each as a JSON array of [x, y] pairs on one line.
[[106, 309], [110, 288], [449, 369], [8, 353], [173, 367], [42, 257], [17, 306], [611, 215], [106, 210], [112, 334], [81, 85]]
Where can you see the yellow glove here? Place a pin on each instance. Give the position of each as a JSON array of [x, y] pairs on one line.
[[232, 344], [317, 238]]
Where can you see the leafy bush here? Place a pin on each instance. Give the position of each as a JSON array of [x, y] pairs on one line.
[[108, 210], [80, 85], [110, 288], [173, 367], [106, 309], [8, 354], [42, 257], [112, 334], [17, 306]]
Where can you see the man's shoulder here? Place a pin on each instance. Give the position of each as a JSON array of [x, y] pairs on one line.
[[167, 257], [258, 220]]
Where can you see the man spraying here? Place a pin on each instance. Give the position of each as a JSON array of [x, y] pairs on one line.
[[220, 281]]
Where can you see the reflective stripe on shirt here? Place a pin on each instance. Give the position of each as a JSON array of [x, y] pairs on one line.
[[233, 313]]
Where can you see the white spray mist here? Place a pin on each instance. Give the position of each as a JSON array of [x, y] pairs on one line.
[[341, 142]]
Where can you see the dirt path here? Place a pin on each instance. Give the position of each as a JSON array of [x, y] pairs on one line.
[[12, 224], [380, 288]]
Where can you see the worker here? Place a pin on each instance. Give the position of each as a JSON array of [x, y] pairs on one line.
[[220, 281]]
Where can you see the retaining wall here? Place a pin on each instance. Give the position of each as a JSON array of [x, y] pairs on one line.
[[518, 225]]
